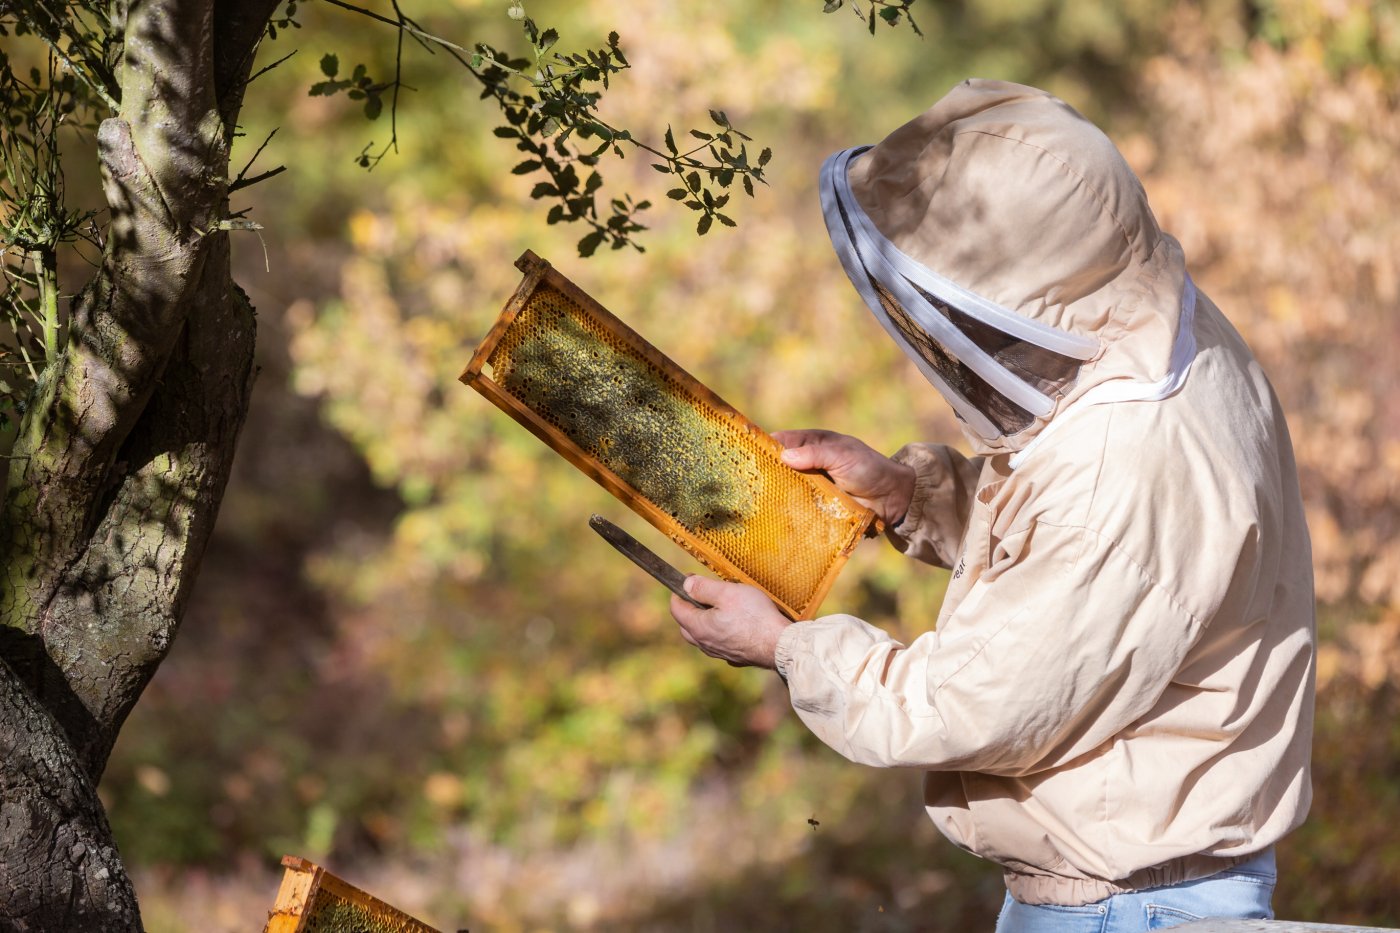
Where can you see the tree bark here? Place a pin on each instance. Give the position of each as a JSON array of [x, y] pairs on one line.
[[121, 460], [58, 867]]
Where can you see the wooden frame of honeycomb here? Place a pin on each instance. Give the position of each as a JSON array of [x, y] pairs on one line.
[[676, 453], [312, 900]]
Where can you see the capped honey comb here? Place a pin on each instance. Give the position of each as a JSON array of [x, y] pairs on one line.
[[621, 411], [312, 900]]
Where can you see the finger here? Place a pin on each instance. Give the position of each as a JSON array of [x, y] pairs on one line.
[[694, 642], [706, 590], [685, 614], [809, 457], [690, 639], [798, 437]]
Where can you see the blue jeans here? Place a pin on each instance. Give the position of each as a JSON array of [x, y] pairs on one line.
[[1243, 892]]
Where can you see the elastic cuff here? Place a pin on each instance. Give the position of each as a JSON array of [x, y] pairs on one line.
[[928, 473], [787, 646]]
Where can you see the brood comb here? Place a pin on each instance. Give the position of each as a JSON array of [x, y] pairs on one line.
[[622, 412]]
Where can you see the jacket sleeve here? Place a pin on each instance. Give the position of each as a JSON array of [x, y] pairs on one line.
[[1061, 644], [944, 483]]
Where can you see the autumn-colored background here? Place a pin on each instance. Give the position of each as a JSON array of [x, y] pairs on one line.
[[410, 660]]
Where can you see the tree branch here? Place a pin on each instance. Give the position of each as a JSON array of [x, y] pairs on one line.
[[117, 611]]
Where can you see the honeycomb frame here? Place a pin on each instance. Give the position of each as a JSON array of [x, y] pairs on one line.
[[312, 900], [829, 524]]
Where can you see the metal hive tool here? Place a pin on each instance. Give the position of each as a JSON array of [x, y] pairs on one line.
[[622, 412], [312, 900]]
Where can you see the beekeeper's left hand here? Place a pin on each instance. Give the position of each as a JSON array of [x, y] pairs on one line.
[[741, 626]]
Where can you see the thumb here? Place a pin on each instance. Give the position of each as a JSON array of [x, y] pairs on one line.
[[703, 589], [807, 457]]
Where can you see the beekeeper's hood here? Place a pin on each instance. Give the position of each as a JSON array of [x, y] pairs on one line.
[[1008, 248]]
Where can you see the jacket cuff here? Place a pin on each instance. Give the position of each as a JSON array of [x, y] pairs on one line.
[[928, 474], [944, 483], [790, 642]]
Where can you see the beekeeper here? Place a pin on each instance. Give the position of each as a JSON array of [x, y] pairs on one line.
[[1115, 703]]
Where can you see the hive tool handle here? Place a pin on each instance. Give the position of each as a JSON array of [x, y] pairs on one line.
[[643, 557]]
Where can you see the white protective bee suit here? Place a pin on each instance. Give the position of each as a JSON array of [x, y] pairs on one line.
[[1118, 691]]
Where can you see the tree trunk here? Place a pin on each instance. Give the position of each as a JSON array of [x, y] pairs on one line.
[[121, 460], [59, 869]]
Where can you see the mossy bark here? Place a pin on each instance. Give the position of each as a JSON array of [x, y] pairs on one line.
[[121, 460]]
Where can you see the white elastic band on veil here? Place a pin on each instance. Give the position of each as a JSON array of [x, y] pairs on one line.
[[855, 270], [872, 253], [1126, 390], [945, 289], [866, 253]]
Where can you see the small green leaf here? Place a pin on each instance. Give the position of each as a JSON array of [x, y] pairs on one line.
[[476, 60], [329, 65], [589, 244], [890, 14]]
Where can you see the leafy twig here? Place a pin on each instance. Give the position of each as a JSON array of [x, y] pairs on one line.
[[891, 11], [549, 102]]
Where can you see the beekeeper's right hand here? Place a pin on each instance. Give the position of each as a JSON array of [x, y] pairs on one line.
[[866, 475]]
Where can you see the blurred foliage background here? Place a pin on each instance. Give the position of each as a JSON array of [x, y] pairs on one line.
[[409, 659]]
